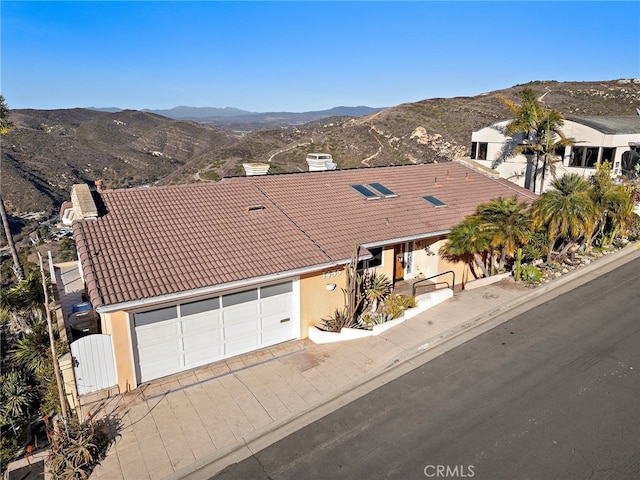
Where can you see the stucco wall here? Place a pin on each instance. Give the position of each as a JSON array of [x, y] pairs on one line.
[[316, 301], [116, 325]]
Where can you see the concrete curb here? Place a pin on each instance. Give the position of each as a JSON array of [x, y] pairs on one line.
[[412, 358]]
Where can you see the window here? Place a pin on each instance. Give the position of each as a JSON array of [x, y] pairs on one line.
[[277, 289], [591, 157], [479, 150], [434, 201], [584, 156], [383, 190], [375, 260], [240, 297], [152, 316], [199, 306], [365, 192], [608, 154]]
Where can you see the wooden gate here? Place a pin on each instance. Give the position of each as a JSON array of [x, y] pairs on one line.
[[93, 363]]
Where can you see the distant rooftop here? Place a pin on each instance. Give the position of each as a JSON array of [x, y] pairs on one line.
[[621, 125]]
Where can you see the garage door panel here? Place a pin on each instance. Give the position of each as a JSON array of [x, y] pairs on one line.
[[209, 330], [203, 356], [241, 345], [167, 347], [203, 340], [158, 333], [273, 305], [161, 368], [276, 328], [240, 314], [281, 321], [201, 323], [242, 329]]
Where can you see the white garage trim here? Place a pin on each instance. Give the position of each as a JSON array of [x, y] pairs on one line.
[[172, 338]]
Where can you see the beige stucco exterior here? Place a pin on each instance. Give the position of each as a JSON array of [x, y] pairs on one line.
[[318, 299], [116, 324]]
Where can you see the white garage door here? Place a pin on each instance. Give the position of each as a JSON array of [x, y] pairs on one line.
[[180, 337]]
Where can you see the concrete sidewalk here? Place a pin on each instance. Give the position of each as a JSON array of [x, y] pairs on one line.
[[192, 425]]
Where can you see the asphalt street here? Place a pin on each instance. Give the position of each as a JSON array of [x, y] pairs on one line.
[[553, 393]]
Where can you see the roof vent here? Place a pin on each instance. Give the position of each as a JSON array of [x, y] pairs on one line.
[[253, 208]]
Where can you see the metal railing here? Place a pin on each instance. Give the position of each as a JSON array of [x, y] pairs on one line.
[[453, 282]]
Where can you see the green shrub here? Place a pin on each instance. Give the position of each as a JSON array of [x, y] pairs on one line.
[[67, 251], [8, 450], [368, 320], [530, 274], [395, 305]]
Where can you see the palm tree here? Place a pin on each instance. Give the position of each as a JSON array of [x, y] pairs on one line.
[[468, 242], [526, 119], [566, 212], [542, 128], [5, 126], [32, 351], [23, 302], [508, 224], [614, 205], [551, 138], [16, 397]]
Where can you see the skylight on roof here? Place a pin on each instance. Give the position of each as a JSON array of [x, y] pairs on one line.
[[365, 192], [383, 190], [434, 201]]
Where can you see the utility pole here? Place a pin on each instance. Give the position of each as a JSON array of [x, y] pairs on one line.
[[63, 400]]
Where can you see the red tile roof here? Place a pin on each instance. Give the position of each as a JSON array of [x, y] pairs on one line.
[[165, 240], [324, 206], [159, 241]]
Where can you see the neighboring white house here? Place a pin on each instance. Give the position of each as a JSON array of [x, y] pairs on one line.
[[596, 139]]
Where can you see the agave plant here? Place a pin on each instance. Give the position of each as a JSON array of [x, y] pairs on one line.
[[377, 288], [77, 448], [336, 322]]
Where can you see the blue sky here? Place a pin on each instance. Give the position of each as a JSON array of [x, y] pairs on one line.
[[300, 56]]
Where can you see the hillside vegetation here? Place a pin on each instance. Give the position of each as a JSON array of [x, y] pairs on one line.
[[51, 150]]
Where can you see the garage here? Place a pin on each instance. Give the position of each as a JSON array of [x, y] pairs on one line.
[[179, 337]]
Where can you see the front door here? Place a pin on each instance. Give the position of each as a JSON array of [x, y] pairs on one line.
[[398, 269]]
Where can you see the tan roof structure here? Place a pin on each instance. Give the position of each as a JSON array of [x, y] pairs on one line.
[[334, 215], [151, 242], [160, 241]]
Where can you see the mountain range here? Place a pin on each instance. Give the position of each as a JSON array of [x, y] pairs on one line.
[[50, 150]]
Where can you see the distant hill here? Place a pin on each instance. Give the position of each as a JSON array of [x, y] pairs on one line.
[[52, 149], [236, 119], [181, 113]]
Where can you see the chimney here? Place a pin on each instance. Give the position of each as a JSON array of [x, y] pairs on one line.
[[319, 162], [83, 204], [99, 184]]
